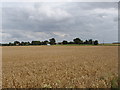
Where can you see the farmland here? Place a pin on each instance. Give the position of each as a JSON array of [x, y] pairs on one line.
[[59, 66]]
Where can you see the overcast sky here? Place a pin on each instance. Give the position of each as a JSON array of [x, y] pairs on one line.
[[61, 20]]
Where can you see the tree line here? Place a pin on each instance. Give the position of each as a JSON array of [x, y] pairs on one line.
[[52, 41]]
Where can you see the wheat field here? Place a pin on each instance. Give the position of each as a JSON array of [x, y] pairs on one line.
[[59, 66]]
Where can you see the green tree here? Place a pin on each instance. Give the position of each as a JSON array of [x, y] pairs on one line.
[[70, 42], [36, 43], [16, 43], [65, 42], [90, 41], [86, 42], [45, 42], [10, 44], [96, 42], [22, 43], [52, 41], [77, 41], [26, 43]]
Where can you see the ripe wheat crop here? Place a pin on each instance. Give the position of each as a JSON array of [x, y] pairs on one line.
[[59, 66]]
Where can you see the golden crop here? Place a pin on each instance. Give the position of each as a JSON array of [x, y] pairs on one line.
[[59, 66]]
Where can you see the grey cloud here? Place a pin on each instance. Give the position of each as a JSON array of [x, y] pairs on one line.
[[60, 20]]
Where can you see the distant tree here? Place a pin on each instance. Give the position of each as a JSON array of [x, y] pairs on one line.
[[10, 44], [90, 41], [22, 43], [86, 42], [77, 41], [16, 43], [44, 42], [60, 43], [96, 42], [5, 44], [36, 43], [70, 42], [52, 41], [25, 43], [65, 42]]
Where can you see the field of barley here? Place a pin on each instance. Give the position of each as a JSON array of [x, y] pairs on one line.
[[0, 67], [59, 66]]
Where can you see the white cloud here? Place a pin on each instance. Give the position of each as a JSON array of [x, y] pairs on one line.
[[105, 11], [60, 34], [48, 12]]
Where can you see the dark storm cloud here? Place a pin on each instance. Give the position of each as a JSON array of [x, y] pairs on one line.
[[40, 21]]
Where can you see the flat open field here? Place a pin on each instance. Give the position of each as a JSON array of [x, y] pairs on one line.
[[59, 66]]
